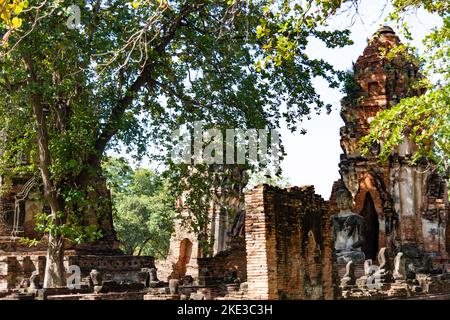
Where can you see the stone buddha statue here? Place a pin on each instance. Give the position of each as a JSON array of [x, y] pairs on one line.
[[349, 229]]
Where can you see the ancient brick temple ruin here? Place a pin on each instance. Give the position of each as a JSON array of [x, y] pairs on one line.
[[20, 200], [405, 206], [384, 233]]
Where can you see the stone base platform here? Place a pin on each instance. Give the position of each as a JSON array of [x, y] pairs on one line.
[[13, 245], [101, 296], [423, 285], [162, 297], [15, 267]]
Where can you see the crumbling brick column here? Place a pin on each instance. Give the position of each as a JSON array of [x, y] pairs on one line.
[[260, 243], [289, 245]]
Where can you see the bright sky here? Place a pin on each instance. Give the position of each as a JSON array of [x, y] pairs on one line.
[[313, 158]]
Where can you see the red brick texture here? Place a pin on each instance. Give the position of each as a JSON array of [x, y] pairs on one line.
[[231, 260], [410, 202], [289, 244]]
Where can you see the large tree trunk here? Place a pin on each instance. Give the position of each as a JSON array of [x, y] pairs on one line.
[[54, 267]]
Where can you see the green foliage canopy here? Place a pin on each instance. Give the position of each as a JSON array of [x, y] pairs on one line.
[[131, 74], [143, 208]]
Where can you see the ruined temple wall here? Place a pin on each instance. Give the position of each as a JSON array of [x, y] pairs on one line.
[[9, 187], [13, 269], [186, 247], [435, 216], [234, 259], [184, 252], [182, 256], [411, 206], [410, 201], [373, 181], [113, 268], [407, 187], [289, 244], [260, 243]]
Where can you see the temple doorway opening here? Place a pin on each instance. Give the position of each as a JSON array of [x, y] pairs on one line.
[[370, 215], [184, 257]]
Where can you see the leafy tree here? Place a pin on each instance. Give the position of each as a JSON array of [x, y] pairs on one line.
[[9, 16], [144, 208], [126, 78]]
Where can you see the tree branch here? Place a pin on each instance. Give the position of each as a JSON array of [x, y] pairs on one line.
[[50, 191], [111, 127]]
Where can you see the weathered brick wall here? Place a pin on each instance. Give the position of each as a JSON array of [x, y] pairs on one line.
[[410, 203], [182, 256], [289, 244], [437, 211], [233, 259], [260, 244], [220, 229], [9, 187], [15, 268]]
